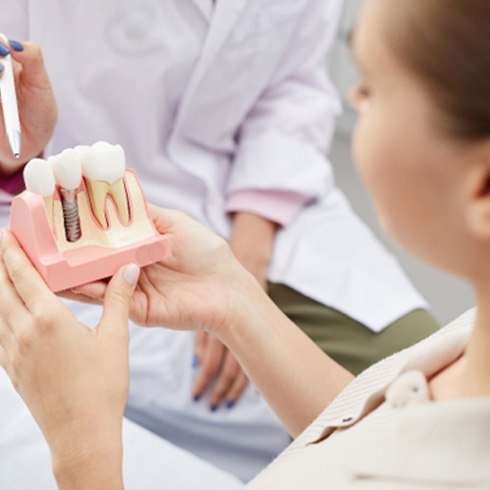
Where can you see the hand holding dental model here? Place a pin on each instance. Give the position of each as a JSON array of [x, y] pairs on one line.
[[83, 216]]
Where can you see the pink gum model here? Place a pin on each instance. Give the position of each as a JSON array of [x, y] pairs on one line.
[[79, 265]]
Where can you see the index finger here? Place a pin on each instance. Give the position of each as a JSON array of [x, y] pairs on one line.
[[26, 280]]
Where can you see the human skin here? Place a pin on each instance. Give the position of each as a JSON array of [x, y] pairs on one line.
[[252, 242], [200, 284], [432, 195], [430, 188], [38, 115], [37, 108]]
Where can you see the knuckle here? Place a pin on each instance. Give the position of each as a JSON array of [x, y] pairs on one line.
[[119, 296], [23, 340], [42, 319]]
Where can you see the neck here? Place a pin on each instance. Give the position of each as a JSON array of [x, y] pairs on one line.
[[475, 375]]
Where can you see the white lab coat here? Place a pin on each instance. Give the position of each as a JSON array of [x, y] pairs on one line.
[[231, 103]]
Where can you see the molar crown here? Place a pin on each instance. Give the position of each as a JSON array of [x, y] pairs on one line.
[[103, 162], [104, 167]]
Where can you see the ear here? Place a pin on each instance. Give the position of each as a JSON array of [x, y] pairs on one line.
[[477, 201]]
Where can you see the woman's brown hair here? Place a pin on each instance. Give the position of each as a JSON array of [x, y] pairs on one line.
[[447, 44]]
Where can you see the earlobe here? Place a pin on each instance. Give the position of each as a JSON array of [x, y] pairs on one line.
[[477, 202]]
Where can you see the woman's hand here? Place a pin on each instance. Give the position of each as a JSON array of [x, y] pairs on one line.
[[73, 379], [252, 242], [37, 106], [198, 286]]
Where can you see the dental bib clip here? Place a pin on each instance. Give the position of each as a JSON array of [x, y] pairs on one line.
[[84, 215]]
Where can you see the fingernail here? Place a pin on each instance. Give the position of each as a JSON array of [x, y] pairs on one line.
[[197, 398], [16, 45], [4, 50], [195, 361], [230, 404], [131, 274], [2, 69], [213, 408]]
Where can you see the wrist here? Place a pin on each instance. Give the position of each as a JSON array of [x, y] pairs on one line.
[[246, 299], [88, 455], [97, 465]]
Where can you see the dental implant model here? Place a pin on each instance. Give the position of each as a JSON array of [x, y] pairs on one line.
[[83, 216], [67, 172]]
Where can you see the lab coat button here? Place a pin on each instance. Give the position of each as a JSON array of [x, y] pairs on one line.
[[410, 388]]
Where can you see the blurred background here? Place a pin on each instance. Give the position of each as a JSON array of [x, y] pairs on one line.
[[447, 295]]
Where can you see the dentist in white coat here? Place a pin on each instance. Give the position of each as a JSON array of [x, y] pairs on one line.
[[225, 110]]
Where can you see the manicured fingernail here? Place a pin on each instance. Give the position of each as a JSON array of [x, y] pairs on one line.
[[230, 404], [16, 45], [131, 274], [4, 50], [197, 398], [195, 361], [213, 408], [2, 69]]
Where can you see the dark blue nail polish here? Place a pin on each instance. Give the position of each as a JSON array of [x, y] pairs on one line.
[[4, 51], [197, 398], [16, 45], [195, 362], [230, 404], [1, 68], [213, 408]]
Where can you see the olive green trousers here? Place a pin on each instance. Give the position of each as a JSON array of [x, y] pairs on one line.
[[349, 342]]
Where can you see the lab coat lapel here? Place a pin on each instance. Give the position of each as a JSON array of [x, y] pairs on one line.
[[225, 15]]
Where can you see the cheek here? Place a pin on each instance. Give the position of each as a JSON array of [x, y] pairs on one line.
[[374, 159], [382, 162]]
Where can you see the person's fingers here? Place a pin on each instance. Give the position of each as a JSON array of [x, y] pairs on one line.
[[12, 309], [199, 347], [6, 336], [211, 362], [225, 380], [117, 299], [92, 292], [165, 219], [81, 298], [30, 56], [29, 285], [236, 389]]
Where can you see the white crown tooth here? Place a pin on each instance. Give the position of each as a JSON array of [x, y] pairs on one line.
[[81, 149], [104, 162], [38, 177], [67, 169]]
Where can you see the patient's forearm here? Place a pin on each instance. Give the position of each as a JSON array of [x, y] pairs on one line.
[[297, 379]]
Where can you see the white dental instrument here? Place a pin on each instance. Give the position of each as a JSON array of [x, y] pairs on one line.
[[8, 98]]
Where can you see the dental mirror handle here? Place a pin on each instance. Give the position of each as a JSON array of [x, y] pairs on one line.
[[8, 98]]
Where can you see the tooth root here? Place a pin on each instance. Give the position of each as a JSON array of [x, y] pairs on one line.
[[97, 194], [118, 193], [48, 205]]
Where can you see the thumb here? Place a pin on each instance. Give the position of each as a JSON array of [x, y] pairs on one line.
[[117, 299]]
